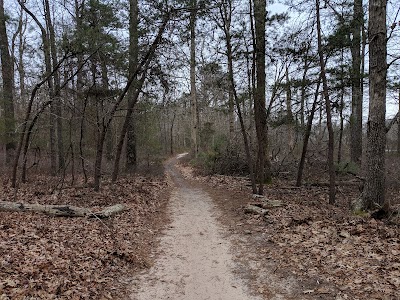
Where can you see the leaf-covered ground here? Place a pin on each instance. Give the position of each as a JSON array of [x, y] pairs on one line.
[[330, 252], [43, 257], [305, 249]]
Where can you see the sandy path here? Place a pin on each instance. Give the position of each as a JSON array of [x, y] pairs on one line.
[[195, 262]]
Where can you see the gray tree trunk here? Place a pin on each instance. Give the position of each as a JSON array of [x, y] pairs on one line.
[[226, 14], [356, 85], [50, 83], [398, 127], [56, 104], [331, 143], [7, 103], [193, 92], [374, 189], [142, 67], [307, 134], [131, 151], [260, 114]]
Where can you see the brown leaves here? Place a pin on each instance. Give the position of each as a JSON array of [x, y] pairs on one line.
[[53, 258], [345, 256]]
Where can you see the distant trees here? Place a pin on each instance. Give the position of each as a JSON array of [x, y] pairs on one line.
[[112, 83]]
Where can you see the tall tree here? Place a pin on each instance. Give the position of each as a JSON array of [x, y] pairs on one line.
[[56, 105], [141, 68], [7, 71], [356, 83], [226, 16], [50, 83], [131, 158], [193, 92], [374, 188], [331, 143], [260, 113]]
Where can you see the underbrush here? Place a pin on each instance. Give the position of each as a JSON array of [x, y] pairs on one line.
[[224, 161]]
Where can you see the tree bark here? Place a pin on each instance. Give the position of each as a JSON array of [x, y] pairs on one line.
[[141, 68], [307, 134], [7, 71], [398, 127], [126, 126], [331, 143], [61, 210], [50, 83], [56, 103], [260, 114], [374, 189], [226, 14], [193, 92], [131, 151], [356, 85], [341, 108], [21, 49]]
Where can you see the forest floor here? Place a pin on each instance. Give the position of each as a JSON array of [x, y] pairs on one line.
[[302, 249], [44, 257]]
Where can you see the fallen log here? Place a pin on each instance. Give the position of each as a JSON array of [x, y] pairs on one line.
[[253, 209], [337, 183], [61, 210]]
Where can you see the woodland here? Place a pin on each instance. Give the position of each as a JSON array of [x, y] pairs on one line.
[[294, 100]]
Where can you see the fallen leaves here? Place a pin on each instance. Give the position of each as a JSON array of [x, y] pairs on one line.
[[46, 257], [346, 256]]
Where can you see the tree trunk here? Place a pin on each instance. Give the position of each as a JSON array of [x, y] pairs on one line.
[[21, 50], [171, 134], [374, 189], [193, 93], [82, 101], [260, 115], [7, 71], [356, 85], [226, 14], [231, 112], [398, 127], [289, 114], [141, 68], [341, 129], [50, 83], [307, 134], [61, 210], [341, 108], [331, 143], [126, 126], [131, 151], [56, 104], [303, 88]]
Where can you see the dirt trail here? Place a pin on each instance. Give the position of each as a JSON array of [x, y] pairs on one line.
[[195, 261]]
